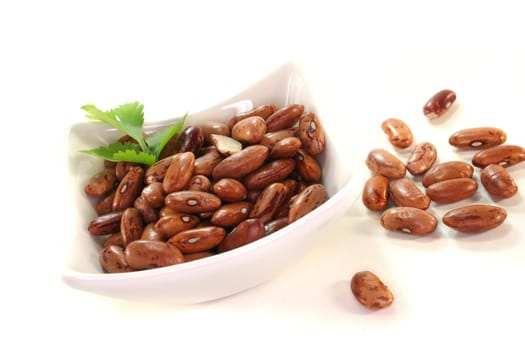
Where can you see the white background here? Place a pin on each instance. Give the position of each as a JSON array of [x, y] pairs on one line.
[[376, 59]]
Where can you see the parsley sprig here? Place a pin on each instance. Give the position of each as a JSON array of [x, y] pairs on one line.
[[129, 118]]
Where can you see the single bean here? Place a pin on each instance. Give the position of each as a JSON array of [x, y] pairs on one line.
[[409, 220], [144, 254], [311, 133], [307, 200], [498, 182], [250, 130], [246, 232], [284, 118], [198, 239], [477, 138], [370, 291], [382, 162], [101, 184], [439, 104], [405, 193], [398, 132], [375, 193], [475, 218], [128, 189], [131, 226], [193, 201], [422, 158], [452, 190]]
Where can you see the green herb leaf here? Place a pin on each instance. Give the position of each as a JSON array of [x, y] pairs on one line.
[[127, 152], [158, 140], [128, 118]]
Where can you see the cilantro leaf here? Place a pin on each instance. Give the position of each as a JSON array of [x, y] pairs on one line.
[[118, 151], [128, 118], [158, 140]]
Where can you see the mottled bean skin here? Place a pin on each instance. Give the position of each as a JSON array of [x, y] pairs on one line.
[[144, 254], [498, 182], [439, 104], [250, 130], [477, 138], [270, 199], [398, 132], [246, 232], [241, 163], [504, 155], [475, 218], [307, 200], [408, 220], [112, 260], [230, 190], [198, 239], [128, 189], [446, 171], [274, 171], [179, 172], [375, 193], [192, 201], [370, 291], [131, 225], [311, 133], [422, 158], [105, 224], [263, 111], [101, 184], [284, 118], [452, 190], [405, 193], [382, 162]]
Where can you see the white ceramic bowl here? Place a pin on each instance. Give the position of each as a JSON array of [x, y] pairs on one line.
[[223, 274]]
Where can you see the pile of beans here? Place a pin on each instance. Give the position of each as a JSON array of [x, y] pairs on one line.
[[446, 182], [404, 205], [216, 187]]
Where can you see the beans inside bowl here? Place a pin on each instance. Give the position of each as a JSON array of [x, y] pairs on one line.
[[245, 244], [218, 187]]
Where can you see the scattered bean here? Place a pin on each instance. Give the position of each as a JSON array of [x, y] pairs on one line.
[[475, 218], [370, 291], [439, 104], [398, 132]]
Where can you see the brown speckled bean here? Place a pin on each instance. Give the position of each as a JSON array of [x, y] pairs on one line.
[[398, 132], [439, 104], [498, 182], [370, 291], [475, 218], [382, 162], [409, 220]]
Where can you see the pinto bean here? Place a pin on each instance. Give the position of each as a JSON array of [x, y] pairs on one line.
[[398, 132], [452, 190], [382, 162], [409, 220], [405, 193], [422, 158], [376, 192], [498, 182], [475, 218], [439, 104], [477, 138]]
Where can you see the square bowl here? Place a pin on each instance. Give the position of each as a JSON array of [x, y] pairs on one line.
[[222, 274]]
